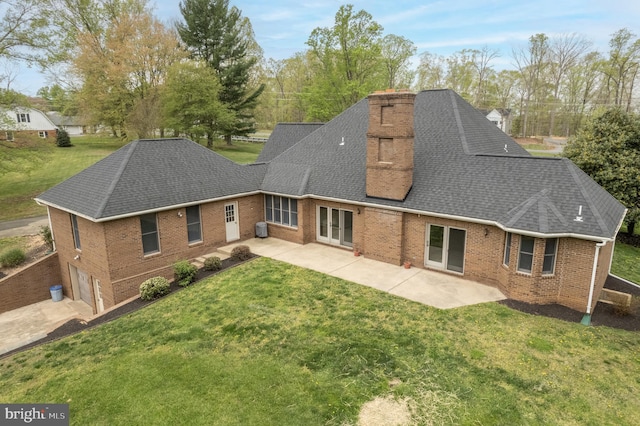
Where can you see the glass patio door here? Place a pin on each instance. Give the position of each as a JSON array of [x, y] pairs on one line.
[[335, 226], [445, 248]]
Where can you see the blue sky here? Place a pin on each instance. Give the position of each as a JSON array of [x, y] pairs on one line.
[[283, 26]]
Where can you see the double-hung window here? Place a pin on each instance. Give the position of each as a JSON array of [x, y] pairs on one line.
[[550, 250], [281, 210], [194, 229], [23, 118], [149, 228], [525, 257], [76, 232]]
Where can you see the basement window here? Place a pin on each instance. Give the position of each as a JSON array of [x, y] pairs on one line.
[[43, 134]]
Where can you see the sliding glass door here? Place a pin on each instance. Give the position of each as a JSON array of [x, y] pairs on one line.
[[444, 248]]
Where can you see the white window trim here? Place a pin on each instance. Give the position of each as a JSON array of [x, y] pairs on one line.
[[199, 224], [507, 249], [532, 255], [555, 257], [157, 232], [272, 220]]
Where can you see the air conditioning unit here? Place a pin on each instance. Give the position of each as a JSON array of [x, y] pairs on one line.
[[261, 230]]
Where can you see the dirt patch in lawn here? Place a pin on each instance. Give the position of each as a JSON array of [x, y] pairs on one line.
[[35, 249], [385, 411]]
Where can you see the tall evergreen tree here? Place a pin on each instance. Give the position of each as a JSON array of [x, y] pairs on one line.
[[217, 34]]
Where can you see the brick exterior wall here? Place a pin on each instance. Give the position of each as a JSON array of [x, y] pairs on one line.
[[383, 235], [30, 284], [112, 251], [390, 145], [19, 135]]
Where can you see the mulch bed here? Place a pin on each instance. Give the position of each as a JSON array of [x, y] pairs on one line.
[[603, 315]]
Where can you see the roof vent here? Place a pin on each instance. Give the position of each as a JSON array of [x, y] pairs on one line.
[[505, 148], [342, 142], [579, 217]]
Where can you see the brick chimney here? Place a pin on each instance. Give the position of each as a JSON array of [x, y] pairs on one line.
[[390, 144]]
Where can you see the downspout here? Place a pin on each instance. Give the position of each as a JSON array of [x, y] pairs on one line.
[[586, 319]]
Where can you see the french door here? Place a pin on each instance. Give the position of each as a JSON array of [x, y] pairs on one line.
[[445, 248], [335, 226]]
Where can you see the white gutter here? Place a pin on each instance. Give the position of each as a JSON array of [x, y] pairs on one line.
[[355, 203], [138, 213], [51, 229], [586, 320], [452, 217]]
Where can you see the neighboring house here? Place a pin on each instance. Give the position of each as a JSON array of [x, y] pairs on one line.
[[500, 117], [398, 176], [73, 125], [25, 121]]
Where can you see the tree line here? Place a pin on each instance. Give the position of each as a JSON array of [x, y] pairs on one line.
[[206, 76]]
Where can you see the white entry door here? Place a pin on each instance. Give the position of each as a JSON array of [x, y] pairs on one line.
[[231, 221]]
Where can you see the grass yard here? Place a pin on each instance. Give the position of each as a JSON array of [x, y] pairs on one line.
[[626, 262], [41, 165], [268, 343]]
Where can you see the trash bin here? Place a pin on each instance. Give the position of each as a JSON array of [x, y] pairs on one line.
[[56, 293], [261, 230]]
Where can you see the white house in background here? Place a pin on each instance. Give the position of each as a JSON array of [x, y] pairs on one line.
[[500, 117], [25, 121], [73, 125]]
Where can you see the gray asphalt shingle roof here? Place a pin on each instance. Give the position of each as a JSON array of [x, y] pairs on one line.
[[283, 137], [152, 174], [464, 166]]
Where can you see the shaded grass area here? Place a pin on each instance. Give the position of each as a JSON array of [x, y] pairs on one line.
[[626, 262], [45, 166], [271, 343], [30, 169]]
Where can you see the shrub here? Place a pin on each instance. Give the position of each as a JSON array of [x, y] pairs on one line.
[[62, 139], [241, 253], [13, 257], [45, 231], [212, 263], [184, 272], [154, 288]]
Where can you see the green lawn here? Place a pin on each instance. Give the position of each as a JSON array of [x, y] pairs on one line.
[[42, 165], [268, 343], [626, 262]]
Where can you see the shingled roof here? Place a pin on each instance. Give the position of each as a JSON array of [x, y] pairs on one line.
[[283, 137], [464, 167], [148, 175]]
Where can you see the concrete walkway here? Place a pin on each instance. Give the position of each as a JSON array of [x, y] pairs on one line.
[[436, 289], [30, 323]]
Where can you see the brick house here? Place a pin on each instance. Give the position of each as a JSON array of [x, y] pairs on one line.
[[398, 176]]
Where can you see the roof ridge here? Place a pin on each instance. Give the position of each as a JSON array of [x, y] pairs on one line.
[[116, 178], [596, 213], [456, 113], [524, 207]]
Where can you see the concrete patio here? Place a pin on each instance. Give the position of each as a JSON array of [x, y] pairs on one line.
[[30, 323], [436, 289]]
